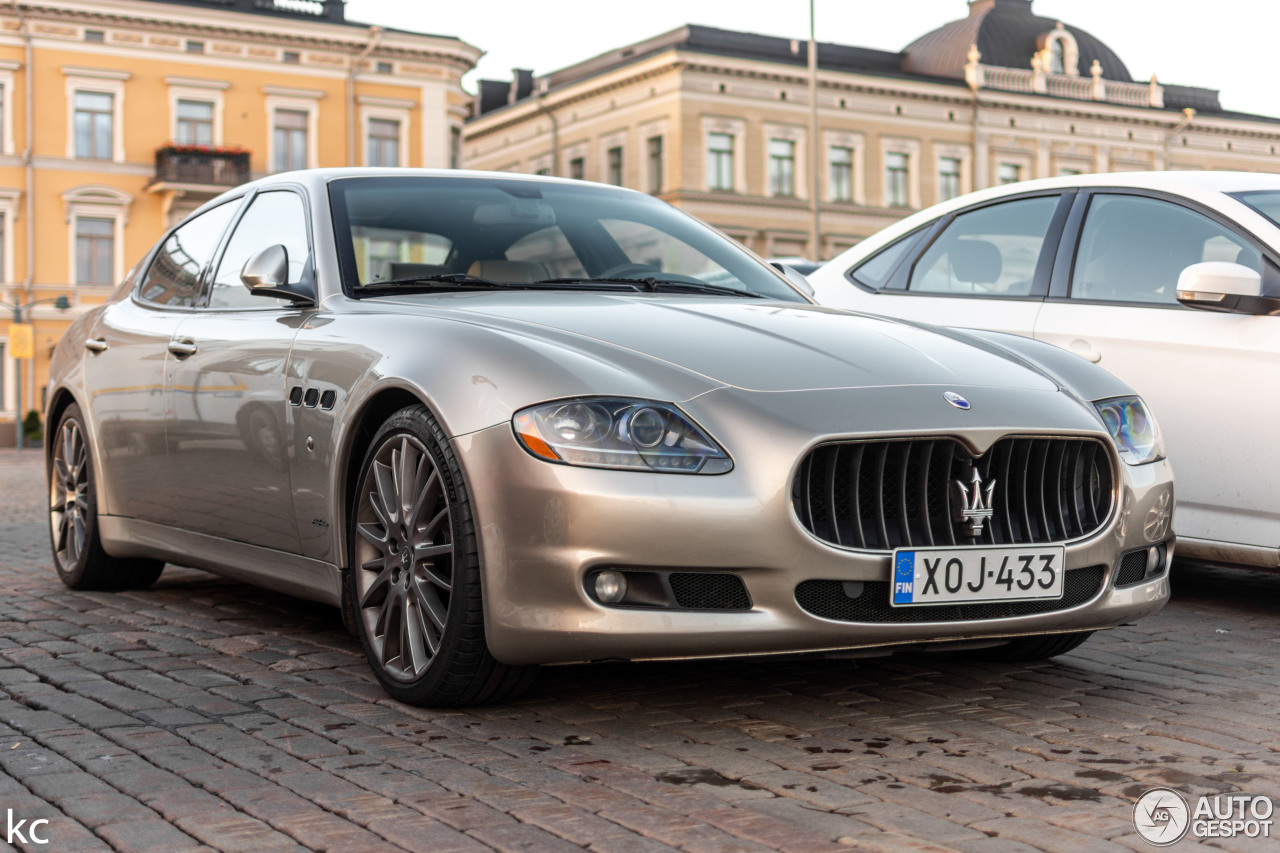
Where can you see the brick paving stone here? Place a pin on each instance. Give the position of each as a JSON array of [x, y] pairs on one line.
[[205, 714]]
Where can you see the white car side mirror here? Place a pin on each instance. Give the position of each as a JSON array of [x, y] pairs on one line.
[[1221, 286]]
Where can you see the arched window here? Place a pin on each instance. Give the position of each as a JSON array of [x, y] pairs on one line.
[[1059, 51]]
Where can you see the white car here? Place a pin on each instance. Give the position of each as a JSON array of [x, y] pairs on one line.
[[1169, 280]]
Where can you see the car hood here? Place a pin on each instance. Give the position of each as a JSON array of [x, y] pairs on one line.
[[751, 344]]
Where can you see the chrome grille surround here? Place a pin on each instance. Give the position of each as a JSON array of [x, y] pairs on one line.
[[882, 494]]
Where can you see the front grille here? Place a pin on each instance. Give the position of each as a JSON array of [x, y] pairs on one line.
[[881, 495], [828, 600], [705, 591]]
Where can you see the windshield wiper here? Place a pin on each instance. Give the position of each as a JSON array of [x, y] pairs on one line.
[[655, 285], [459, 279]]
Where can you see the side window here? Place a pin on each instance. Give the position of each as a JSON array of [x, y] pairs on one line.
[[876, 270], [1132, 249], [992, 251], [173, 279], [273, 217]]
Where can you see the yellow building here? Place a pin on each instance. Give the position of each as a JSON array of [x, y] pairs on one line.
[[117, 117]]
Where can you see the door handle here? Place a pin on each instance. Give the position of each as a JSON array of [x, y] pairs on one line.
[[96, 345], [182, 349], [1082, 349]]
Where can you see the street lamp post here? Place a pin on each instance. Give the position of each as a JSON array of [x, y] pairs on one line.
[[62, 304]]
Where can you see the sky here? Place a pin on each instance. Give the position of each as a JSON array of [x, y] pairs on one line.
[[1226, 45]]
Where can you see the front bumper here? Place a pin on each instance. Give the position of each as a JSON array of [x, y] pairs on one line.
[[543, 528]]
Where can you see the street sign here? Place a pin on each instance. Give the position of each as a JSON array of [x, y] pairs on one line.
[[22, 340]]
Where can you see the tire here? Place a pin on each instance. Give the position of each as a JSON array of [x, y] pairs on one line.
[[413, 585], [73, 517], [1035, 648]]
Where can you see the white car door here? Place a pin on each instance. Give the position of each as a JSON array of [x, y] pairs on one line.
[[986, 268], [1208, 377]]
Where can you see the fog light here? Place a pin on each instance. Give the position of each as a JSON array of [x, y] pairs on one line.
[[611, 587]]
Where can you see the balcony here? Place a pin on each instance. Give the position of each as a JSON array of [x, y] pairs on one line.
[[193, 167]]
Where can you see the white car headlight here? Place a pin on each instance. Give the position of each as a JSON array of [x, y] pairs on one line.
[[611, 432], [1132, 428]]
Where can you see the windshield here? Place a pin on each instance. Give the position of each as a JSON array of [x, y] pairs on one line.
[[469, 232], [1266, 202]]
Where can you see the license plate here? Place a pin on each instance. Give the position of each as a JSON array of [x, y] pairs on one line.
[[954, 575]]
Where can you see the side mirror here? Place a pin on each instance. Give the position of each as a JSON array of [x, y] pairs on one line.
[[266, 273], [1223, 286], [794, 276]]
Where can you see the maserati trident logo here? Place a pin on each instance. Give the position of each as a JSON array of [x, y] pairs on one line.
[[972, 505], [956, 400]]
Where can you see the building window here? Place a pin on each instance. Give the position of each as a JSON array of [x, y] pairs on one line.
[[195, 123], [95, 250], [614, 158], [782, 167], [290, 57], [896, 166], [1057, 57], [720, 161], [290, 137], [1068, 172], [545, 170], [384, 68], [194, 46], [1009, 173], [841, 160], [98, 36], [384, 142], [94, 113], [577, 168], [948, 178], [656, 165]]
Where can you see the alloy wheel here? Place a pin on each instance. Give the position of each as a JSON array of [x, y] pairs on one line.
[[404, 557], [69, 495]]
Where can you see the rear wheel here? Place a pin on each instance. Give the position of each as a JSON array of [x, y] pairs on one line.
[[414, 581], [1036, 648], [73, 517]]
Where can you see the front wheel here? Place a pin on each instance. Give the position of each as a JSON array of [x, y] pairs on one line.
[[1036, 648], [73, 517], [414, 577]]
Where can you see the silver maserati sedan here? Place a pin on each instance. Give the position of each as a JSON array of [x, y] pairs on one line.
[[503, 420]]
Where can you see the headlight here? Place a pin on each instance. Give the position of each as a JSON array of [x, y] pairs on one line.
[[610, 432], [1132, 428]]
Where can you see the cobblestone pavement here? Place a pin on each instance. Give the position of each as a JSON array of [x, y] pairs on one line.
[[207, 714]]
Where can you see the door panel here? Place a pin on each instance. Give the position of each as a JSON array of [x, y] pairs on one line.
[[226, 426], [226, 391], [124, 377], [1210, 380]]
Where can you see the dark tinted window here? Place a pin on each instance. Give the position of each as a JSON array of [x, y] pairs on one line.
[[272, 217], [876, 270], [1132, 249], [174, 276], [991, 251]]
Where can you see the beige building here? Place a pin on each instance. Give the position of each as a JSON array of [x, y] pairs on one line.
[[719, 123], [117, 117]]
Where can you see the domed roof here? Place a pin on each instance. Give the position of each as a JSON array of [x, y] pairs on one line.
[[1006, 33]]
